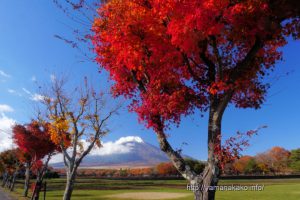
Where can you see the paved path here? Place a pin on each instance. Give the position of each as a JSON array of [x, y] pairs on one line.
[[4, 195]]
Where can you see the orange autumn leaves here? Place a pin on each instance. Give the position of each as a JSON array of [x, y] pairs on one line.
[[59, 131], [275, 160]]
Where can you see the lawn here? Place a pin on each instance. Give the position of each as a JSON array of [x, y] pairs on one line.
[[100, 189]]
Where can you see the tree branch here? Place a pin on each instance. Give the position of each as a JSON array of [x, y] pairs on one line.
[[217, 54], [244, 65], [211, 66], [177, 160]]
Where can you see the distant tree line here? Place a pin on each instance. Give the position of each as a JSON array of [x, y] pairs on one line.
[[276, 161], [165, 169]]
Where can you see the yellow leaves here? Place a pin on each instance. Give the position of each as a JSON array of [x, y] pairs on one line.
[[61, 124], [54, 135], [59, 129]]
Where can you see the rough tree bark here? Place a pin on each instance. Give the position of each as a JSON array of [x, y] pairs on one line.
[[27, 180]]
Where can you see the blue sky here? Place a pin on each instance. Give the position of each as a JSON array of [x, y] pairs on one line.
[[30, 53]]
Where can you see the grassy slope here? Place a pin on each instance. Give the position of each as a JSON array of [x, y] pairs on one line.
[[97, 189]]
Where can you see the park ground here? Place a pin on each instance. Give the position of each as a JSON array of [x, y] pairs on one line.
[[104, 189]]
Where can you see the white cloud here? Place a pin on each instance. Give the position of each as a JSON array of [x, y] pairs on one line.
[[120, 146], [26, 91], [5, 108], [37, 97], [6, 124], [129, 139], [11, 91], [33, 78], [2, 73]]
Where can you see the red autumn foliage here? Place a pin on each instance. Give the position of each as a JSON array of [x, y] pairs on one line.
[[168, 47], [240, 164], [173, 58], [165, 169], [37, 165], [233, 147], [34, 140]]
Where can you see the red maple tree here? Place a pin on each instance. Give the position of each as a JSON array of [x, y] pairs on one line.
[[173, 57], [35, 143]]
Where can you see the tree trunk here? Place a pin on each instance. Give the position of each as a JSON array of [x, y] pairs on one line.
[[12, 186], [27, 180], [5, 177], [211, 173], [40, 178], [37, 189], [71, 175], [8, 182]]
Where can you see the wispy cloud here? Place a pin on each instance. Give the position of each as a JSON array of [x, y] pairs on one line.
[[11, 91], [26, 91], [33, 78], [37, 97], [5, 108], [2, 73]]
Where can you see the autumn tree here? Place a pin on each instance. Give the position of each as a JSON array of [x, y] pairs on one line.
[[166, 169], [263, 162], [275, 160], [279, 158], [12, 165], [78, 118], [35, 143], [241, 164], [174, 57]]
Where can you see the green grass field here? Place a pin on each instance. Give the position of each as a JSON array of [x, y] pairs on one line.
[[100, 189]]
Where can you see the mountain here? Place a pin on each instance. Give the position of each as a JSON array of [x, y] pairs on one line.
[[129, 151]]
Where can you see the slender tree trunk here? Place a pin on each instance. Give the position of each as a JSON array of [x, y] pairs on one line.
[[5, 176], [27, 180], [39, 180], [71, 176], [37, 189], [14, 177], [8, 182]]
